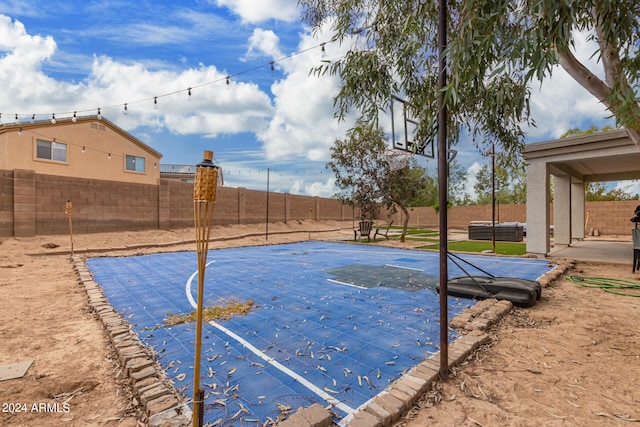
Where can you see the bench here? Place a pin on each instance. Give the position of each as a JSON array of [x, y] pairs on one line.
[[384, 233]]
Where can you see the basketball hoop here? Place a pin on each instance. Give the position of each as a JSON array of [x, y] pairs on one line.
[[397, 159]]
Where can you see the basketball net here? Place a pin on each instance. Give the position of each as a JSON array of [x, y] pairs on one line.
[[397, 159]]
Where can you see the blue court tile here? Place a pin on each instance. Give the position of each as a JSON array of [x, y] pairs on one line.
[[309, 338]]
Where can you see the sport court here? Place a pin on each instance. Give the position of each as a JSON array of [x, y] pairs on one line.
[[332, 323]]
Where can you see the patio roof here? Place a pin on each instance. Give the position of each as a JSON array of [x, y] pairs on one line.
[[598, 157], [603, 156]]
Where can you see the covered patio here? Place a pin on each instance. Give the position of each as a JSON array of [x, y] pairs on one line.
[[568, 164]]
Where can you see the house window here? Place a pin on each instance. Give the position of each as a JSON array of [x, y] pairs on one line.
[[51, 150], [134, 164]]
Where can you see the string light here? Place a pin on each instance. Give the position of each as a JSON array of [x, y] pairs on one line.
[[109, 156], [83, 149], [155, 102], [20, 132], [75, 117], [53, 119], [126, 109], [270, 64]]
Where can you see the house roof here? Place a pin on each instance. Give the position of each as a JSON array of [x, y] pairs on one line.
[[13, 127]]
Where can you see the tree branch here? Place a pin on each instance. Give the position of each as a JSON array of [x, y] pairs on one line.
[[594, 85], [608, 53]]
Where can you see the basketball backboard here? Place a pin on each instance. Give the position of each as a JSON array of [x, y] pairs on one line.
[[404, 129]]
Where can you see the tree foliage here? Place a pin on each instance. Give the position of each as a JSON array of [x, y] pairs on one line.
[[496, 50], [510, 184], [366, 178], [598, 192]]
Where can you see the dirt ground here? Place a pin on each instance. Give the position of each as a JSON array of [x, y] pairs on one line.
[[573, 359]]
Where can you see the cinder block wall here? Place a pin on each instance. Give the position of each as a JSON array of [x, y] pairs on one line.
[[32, 203], [6, 203], [611, 218], [97, 206]]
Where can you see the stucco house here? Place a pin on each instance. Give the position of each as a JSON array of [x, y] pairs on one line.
[[85, 147]]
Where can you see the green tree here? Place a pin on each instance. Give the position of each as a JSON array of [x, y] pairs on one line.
[[367, 179], [495, 50], [510, 183], [589, 131], [598, 192]]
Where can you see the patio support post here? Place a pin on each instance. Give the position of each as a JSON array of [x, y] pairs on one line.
[[538, 209], [577, 209], [562, 210]]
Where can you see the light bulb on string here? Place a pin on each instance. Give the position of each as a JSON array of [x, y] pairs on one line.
[[109, 156], [16, 117], [20, 132], [83, 149], [324, 51], [272, 65], [126, 109], [74, 118], [33, 118], [99, 114], [53, 119], [227, 78], [155, 102], [189, 93]]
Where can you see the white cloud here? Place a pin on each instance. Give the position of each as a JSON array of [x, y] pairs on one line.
[[472, 173], [630, 187], [263, 42], [303, 123], [321, 189], [562, 104], [20, 68], [253, 11]]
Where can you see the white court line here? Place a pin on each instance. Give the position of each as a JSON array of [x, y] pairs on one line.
[[405, 268], [318, 391], [346, 284]]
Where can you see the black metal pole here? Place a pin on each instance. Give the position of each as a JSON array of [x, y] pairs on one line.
[[267, 222], [493, 197], [443, 188]]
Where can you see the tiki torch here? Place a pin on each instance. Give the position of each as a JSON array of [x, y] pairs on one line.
[[67, 212], [204, 196]]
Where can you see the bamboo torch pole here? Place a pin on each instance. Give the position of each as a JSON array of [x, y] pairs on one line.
[[204, 196], [67, 211]]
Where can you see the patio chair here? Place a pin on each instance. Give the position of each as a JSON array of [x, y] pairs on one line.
[[384, 233], [364, 229], [636, 249]]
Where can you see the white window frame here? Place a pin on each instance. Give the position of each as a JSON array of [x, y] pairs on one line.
[[54, 148], [136, 161]]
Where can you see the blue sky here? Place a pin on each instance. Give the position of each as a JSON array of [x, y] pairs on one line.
[[61, 57]]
